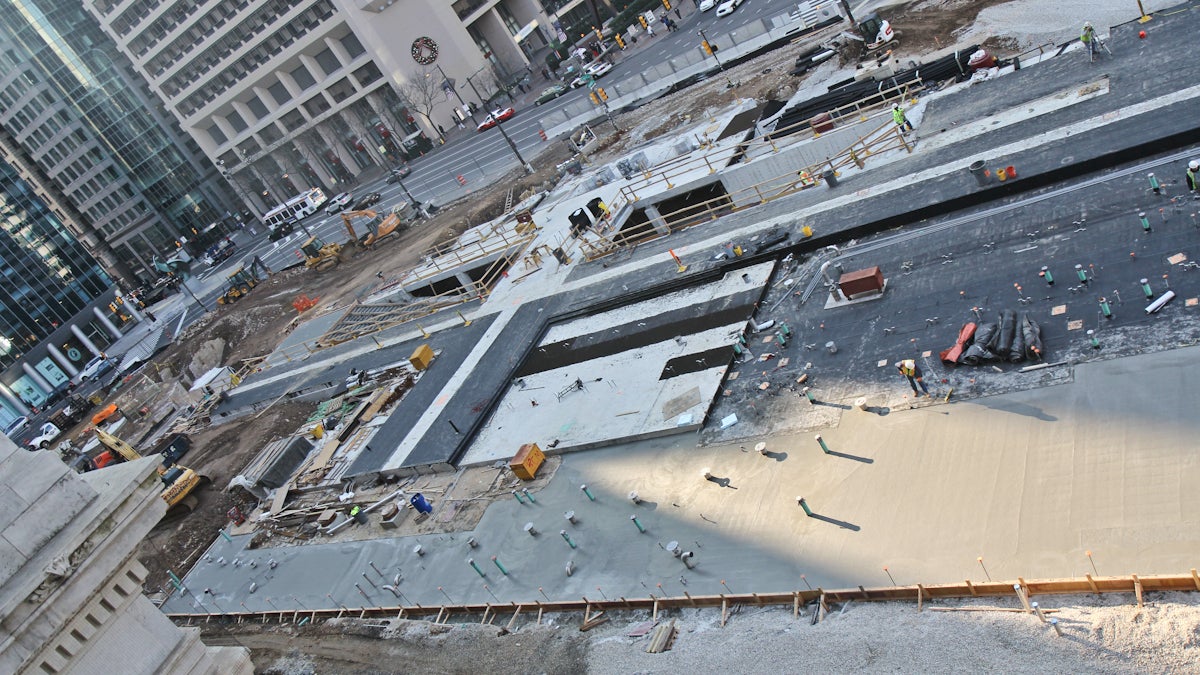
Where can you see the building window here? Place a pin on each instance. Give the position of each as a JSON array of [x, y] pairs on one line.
[[279, 93], [316, 105], [352, 46], [303, 78], [341, 90], [328, 62], [256, 106], [217, 136], [367, 74], [235, 120]]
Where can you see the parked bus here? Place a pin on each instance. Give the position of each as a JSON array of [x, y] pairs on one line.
[[294, 209]]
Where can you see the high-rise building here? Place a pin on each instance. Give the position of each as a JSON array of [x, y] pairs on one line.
[[289, 94], [92, 138], [57, 306]]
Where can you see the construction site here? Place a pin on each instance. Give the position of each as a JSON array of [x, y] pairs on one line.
[[631, 416]]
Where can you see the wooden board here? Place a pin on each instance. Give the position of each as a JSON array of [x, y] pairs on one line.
[[280, 497]]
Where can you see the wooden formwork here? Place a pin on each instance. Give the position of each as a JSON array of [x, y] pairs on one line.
[[920, 594]]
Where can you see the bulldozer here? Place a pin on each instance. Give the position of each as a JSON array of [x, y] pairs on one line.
[[179, 481], [379, 229], [239, 284], [320, 256]]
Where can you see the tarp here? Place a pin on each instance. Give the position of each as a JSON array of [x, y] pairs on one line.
[[965, 335]]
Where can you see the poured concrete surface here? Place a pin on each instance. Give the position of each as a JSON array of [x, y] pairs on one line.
[[1029, 481], [644, 369]]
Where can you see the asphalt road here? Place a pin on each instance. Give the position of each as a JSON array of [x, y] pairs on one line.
[[475, 156]]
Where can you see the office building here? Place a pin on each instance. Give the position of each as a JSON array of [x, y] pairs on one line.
[[289, 94], [87, 133]]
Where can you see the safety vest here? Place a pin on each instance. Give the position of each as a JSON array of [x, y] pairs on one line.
[[908, 367], [1191, 176], [1086, 37], [898, 116], [354, 511]]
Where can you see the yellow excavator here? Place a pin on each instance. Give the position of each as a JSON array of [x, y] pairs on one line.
[[180, 481], [320, 256], [378, 229]]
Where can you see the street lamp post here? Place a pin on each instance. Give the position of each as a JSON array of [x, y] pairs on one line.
[[713, 51], [237, 189], [526, 165], [446, 80]]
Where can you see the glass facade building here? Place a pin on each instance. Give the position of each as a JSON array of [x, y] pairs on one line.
[[50, 287], [131, 183]]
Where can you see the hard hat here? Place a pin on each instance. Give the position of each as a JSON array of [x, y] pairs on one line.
[[1194, 165], [1087, 24], [895, 106]]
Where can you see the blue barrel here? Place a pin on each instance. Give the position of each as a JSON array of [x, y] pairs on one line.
[[419, 503]]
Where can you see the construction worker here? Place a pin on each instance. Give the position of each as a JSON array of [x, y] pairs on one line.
[[1090, 40], [900, 119], [1192, 171], [912, 372]]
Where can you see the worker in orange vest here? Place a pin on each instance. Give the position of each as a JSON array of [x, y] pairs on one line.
[[910, 370]]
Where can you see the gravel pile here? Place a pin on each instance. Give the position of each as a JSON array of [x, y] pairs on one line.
[[1105, 635]]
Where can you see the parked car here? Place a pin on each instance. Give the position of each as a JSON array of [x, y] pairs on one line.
[[338, 203], [597, 69], [47, 434], [367, 201], [706, 5], [550, 93], [282, 230], [495, 117], [16, 425], [94, 368], [726, 8]]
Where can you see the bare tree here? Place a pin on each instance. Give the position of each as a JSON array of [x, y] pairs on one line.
[[423, 89]]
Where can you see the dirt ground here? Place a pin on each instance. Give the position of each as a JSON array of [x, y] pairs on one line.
[[253, 326]]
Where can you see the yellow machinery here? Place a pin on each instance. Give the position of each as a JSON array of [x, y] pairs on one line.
[[320, 256], [240, 283], [379, 229], [180, 481]]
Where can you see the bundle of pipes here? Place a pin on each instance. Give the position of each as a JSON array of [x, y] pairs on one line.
[[952, 65]]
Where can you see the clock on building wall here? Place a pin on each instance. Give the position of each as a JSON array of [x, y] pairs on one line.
[[424, 50]]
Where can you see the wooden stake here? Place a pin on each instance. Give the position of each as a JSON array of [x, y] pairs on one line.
[[1020, 591], [655, 615], [971, 587], [1095, 588], [1137, 590], [920, 597], [513, 620], [724, 610], [796, 604], [1196, 578], [487, 608], [539, 619]]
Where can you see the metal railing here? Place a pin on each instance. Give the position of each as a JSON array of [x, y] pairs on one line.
[[663, 174], [882, 139]]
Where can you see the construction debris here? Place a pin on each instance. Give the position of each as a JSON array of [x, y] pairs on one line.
[[663, 638]]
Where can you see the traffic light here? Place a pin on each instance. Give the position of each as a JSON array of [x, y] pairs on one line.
[[599, 35], [620, 40], [595, 100], [707, 47], [666, 4], [601, 93], [642, 20]]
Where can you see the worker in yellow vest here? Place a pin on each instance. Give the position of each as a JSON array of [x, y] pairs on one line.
[[910, 370], [899, 118]]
